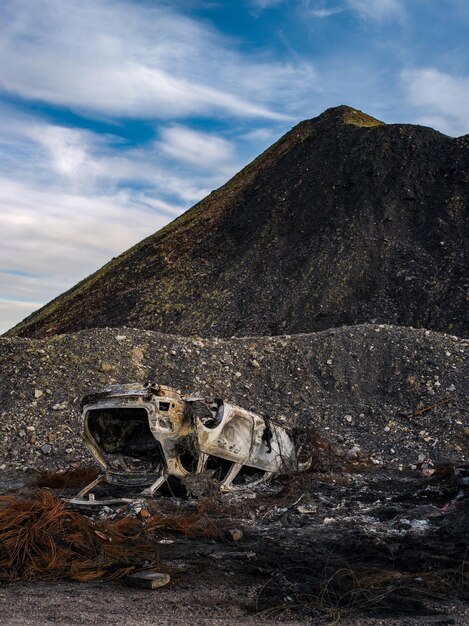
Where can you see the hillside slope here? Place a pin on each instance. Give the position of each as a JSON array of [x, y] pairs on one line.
[[344, 220], [363, 385]]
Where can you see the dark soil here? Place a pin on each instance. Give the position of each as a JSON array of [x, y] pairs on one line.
[[372, 548], [344, 220]]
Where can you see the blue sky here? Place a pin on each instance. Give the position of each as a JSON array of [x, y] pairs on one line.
[[116, 116]]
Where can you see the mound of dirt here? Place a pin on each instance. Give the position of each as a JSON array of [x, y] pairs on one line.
[[367, 388], [344, 220]]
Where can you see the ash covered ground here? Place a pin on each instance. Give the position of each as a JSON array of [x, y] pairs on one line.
[[375, 534], [367, 547]]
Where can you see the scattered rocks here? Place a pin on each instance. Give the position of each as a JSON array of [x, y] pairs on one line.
[[137, 354], [147, 580], [427, 472], [106, 367], [352, 454], [61, 406], [364, 401], [234, 534], [307, 509]]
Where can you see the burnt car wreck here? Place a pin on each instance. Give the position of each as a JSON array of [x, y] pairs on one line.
[[144, 435]]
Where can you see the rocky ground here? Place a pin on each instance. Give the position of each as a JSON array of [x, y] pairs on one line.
[[377, 536], [365, 388], [377, 547]]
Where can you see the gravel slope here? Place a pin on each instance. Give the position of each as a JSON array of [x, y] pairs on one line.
[[358, 385]]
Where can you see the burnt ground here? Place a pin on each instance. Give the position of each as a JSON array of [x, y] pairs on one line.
[[374, 543], [377, 547]]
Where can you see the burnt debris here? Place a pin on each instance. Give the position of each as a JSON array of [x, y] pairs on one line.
[[142, 435]]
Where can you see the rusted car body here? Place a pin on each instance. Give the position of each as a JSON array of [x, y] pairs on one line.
[[142, 435]]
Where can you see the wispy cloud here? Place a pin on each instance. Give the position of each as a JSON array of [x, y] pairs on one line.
[[440, 98], [63, 237], [378, 10], [11, 311], [81, 198], [65, 234], [197, 148], [325, 12], [51, 155], [135, 61], [66, 147], [265, 4], [372, 10]]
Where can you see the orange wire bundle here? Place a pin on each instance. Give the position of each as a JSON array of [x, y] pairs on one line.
[[40, 537]]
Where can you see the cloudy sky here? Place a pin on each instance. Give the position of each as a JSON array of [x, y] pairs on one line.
[[117, 115]]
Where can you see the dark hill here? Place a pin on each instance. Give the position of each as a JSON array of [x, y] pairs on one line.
[[344, 220]]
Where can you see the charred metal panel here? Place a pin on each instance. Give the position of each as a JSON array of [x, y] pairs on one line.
[[143, 435]]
